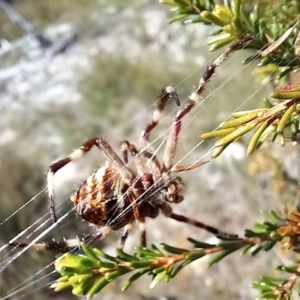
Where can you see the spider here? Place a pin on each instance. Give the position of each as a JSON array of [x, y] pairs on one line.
[[115, 197]]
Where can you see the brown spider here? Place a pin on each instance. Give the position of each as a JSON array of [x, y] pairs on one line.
[[115, 196]]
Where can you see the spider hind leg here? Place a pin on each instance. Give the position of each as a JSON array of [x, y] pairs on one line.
[[218, 233]]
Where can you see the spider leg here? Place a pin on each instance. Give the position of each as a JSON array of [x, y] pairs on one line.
[[135, 206], [140, 165], [127, 147], [194, 98], [125, 152], [65, 245], [154, 164], [157, 114], [124, 235], [142, 228], [188, 167], [213, 230], [125, 173]]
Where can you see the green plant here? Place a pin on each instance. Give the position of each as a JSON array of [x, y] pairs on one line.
[[278, 121], [89, 272], [274, 24]]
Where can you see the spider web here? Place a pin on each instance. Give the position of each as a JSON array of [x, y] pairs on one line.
[[42, 227]]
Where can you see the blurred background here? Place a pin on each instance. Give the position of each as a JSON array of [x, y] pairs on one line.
[[72, 70]]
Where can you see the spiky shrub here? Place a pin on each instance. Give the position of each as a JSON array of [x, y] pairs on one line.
[[274, 28]]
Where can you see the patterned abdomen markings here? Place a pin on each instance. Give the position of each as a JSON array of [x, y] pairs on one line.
[[102, 199]]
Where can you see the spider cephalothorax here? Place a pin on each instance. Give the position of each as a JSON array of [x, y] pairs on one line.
[[115, 196]]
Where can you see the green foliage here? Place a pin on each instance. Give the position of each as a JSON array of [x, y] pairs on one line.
[[88, 273], [271, 122], [274, 27], [274, 24], [276, 288]]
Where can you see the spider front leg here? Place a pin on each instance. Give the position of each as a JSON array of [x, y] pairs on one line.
[[124, 172], [194, 99], [157, 114]]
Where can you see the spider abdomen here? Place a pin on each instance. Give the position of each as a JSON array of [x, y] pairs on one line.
[[102, 199]]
